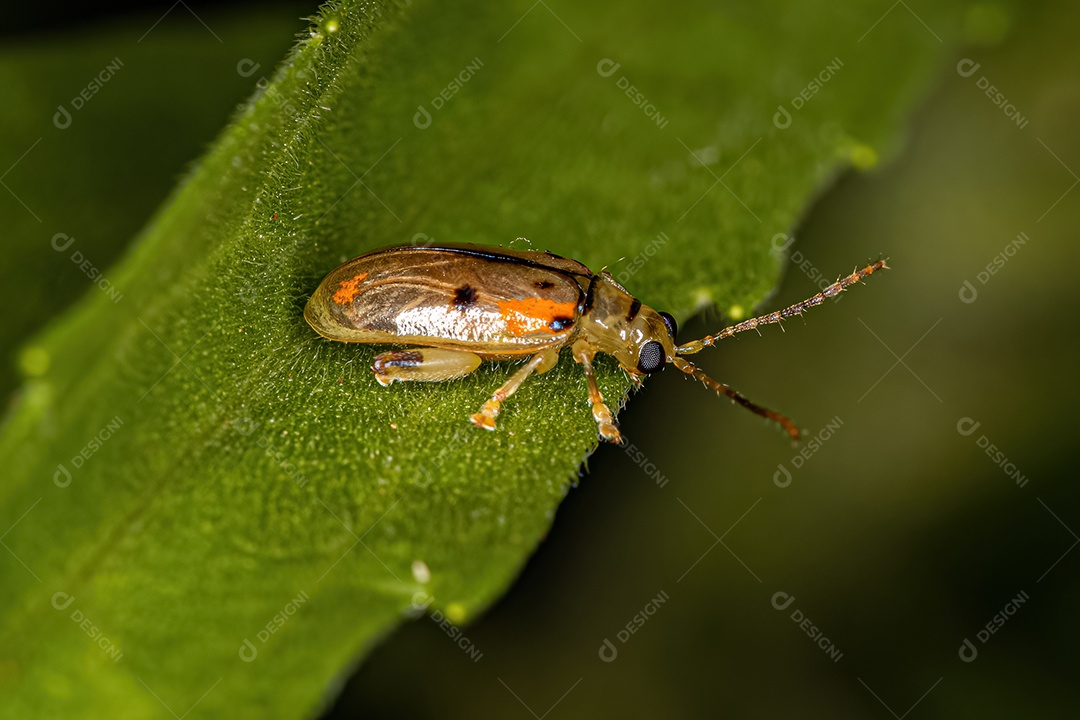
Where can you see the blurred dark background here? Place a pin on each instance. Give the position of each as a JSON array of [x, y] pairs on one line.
[[901, 537], [936, 503]]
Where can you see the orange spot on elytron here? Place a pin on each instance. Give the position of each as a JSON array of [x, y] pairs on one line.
[[533, 314], [348, 289]]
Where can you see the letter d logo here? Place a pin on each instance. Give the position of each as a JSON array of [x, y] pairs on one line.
[[422, 118], [248, 651], [782, 477], [968, 293], [967, 67], [62, 118], [606, 67], [61, 242], [782, 118], [62, 477], [781, 600], [966, 426], [61, 600]]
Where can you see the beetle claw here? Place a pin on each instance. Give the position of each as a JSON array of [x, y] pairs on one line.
[[610, 433], [486, 417], [482, 421]]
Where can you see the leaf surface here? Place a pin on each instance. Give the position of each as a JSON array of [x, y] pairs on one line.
[[211, 507]]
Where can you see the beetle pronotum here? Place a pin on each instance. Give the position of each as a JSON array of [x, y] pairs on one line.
[[456, 305]]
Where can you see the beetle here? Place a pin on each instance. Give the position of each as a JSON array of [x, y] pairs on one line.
[[455, 305]]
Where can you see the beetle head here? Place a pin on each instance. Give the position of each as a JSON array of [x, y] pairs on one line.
[[654, 333], [640, 338]]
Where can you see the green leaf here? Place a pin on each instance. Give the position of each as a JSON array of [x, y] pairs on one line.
[[98, 176], [210, 506]]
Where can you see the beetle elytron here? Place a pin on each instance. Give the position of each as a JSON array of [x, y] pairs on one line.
[[456, 305]]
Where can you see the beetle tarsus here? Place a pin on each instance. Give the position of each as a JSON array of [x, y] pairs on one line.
[[539, 362], [486, 417], [604, 422], [610, 433]]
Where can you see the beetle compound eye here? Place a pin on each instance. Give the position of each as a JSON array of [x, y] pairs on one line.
[[652, 357], [672, 327]]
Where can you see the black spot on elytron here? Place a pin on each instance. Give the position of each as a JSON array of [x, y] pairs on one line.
[[560, 323], [635, 306], [464, 297], [543, 284]]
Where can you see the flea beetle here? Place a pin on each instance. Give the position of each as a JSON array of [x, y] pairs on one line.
[[456, 305]]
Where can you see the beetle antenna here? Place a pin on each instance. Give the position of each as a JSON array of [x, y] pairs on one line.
[[797, 309], [691, 369]]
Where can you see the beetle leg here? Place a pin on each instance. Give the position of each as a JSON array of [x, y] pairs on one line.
[[540, 362], [600, 411], [425, 365], [551, 359]]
